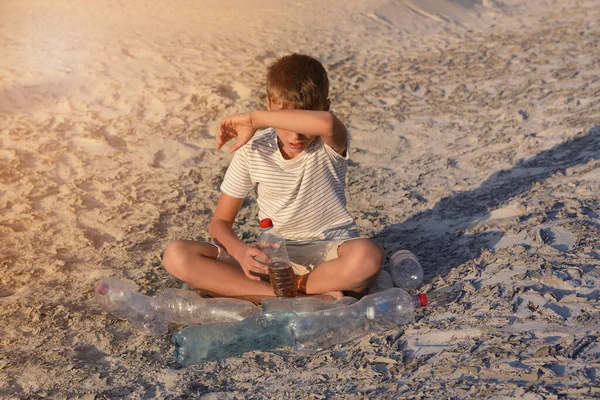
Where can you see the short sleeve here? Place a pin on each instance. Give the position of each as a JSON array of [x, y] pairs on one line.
[[237, 182], [337, 156]]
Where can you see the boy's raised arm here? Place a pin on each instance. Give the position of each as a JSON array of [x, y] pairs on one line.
[[307, 122]]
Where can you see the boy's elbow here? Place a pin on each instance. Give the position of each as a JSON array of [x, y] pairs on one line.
[[217, 225], [211, 228], [329, 124]]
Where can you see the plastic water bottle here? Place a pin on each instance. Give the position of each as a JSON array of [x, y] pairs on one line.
[[382, 282], [406, 270], [373, 313], [188, 307], [153, 314], [281, 272], [122, 300], [199, 343], [303, 305]]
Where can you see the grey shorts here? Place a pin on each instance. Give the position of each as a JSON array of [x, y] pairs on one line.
[[304, 257]]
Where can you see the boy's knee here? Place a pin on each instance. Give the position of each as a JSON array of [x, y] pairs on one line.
[[365, 257], [174, 256], [182, 255]]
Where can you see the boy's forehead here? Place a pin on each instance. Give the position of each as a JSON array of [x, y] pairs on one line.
[[281, 106]]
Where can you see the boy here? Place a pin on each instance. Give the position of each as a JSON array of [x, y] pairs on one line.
[[296, 155]]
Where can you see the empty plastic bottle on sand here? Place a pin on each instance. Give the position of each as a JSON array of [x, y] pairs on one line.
[[122, 300], [382, 282], [373, 313], [189, 308], [153, 314], [406, 270], [199, 343], [281, 272], [303, 305]]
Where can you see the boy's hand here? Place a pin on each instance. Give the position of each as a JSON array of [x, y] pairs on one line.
[[237, 126], [246, 257]]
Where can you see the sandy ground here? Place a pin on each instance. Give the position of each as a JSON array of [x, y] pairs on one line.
[[475, 143]]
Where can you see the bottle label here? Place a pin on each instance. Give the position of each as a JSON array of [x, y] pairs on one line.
[[381, 307]]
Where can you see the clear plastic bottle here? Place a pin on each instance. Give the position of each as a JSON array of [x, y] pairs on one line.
[[122, 300], [382, 282], [373, 313], [199, 343], [189, 308], [406, 270], [303, 305], [281, 272], [153, 314]]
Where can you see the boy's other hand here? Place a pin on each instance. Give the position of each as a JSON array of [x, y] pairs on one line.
[[247, 255], [236, 126]]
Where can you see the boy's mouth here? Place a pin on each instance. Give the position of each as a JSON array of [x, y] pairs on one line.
[[296, 146]]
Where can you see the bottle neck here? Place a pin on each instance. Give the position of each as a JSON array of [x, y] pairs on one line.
[[420, 300]]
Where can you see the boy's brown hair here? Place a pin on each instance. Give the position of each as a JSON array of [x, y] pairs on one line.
[[298, 82]]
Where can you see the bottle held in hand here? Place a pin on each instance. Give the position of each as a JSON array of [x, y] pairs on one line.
[[406, 270], [281, 272]]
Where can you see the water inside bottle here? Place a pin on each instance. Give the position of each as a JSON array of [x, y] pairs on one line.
[[283, 279]]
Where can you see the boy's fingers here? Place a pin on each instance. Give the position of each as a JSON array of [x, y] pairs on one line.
[[239, 143], [219, 136], [252, 276], [262, 255], [260, 267]]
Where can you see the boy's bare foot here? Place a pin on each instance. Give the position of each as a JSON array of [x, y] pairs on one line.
[[326, 297]]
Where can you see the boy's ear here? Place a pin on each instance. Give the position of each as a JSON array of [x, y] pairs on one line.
[[268, 104], [327, 104]]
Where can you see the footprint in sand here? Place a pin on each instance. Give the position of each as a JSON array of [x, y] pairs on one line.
[[113, 140], [227, 92], [158, 158]]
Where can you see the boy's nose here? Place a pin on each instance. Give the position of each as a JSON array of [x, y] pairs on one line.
[[299, 136]]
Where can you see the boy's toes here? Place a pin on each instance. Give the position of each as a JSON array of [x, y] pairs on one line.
[[330, 296]]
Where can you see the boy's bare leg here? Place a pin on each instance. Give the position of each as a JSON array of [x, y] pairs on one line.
[[196, 264], [359, 261]]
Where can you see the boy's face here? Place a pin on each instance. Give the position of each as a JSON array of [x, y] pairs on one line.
[[291, 143]]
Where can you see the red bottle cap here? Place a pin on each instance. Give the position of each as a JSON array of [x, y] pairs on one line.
[[422, 299], [266, 223], [102, 288]]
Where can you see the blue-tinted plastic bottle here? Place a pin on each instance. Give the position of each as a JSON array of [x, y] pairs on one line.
[[200, 343]]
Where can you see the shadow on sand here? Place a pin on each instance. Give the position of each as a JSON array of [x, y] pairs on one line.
[[437, 235]]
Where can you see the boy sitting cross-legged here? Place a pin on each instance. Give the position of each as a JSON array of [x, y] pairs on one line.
[[296, 154]]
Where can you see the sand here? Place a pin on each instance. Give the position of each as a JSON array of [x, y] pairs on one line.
[[475, 144]]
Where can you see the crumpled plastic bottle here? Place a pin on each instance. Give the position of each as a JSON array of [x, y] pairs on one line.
[[153, 314], [189, 308], [122, 300], [373, 313]]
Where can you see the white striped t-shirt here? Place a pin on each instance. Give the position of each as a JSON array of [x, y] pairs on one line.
[[305, 196]]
